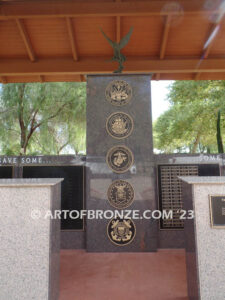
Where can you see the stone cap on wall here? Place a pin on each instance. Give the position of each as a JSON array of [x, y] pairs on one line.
[[203, 179], [30, 182]]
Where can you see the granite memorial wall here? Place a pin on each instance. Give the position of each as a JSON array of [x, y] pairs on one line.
[[121, 170]]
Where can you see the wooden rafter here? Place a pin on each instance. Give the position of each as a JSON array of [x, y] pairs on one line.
[[72, 38], [157, 76], [26, 39], [82, 79], [118, 30], [97, 65], [118, 26], [41, 78], [69, 8], [164, 40], [3, 79], [210, 40], [165, 37]]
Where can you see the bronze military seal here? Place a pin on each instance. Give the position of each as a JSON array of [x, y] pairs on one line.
[[120, 194], [121, 232], [118, 92], [119, 125], [120, 159]]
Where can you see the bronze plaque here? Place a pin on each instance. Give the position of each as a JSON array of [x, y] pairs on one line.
[[119, 125], [120, 159], [118, 92], [120, 194], [121, 232], [217, 211]]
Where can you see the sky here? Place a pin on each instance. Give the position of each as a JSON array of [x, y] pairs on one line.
[[159, 95]]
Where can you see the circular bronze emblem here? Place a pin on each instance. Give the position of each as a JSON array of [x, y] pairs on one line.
[[120, 159], [118, 92], [121, 231], [119, 125], [120, 194]]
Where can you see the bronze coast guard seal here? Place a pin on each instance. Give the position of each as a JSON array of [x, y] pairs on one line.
[[120, 159], [119, 125], [118, 92], [121, 231], [120, 194]]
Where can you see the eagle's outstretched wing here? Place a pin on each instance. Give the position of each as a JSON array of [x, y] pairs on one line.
[[125, 39], [108, 39]]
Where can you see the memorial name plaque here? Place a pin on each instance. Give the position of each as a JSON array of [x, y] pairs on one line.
[[217, 211]]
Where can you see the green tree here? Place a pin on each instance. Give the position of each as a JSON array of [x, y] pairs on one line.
[[193, 123], [42, 118]]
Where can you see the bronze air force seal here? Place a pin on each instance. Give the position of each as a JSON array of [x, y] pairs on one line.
[[121, 231], [120, 194], [120, 159], [118, 92], [119, 125]]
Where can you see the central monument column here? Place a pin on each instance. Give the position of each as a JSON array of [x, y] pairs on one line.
[[120, 167]]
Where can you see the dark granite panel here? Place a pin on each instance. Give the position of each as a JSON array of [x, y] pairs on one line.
[[171, 239], [72, 195], [223, 165], [141, 175], [6, 172], [190, 245], [73, 239]]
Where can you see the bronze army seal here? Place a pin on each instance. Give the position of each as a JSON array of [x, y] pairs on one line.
[[121, 231], [119, 125], [120, 194], [120, 159], [118, 92]]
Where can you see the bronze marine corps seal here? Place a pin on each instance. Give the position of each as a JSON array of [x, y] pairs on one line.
[[120, 159], [118, 92], [119, 125], [121, 231], [120, 194]]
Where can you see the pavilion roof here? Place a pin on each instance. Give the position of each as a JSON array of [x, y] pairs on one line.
[[43, 40]]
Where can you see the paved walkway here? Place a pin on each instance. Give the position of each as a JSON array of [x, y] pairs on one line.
[[123, 276]]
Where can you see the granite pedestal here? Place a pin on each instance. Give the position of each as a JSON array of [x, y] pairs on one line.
[[205, 255], [140, 175], [29, 241]]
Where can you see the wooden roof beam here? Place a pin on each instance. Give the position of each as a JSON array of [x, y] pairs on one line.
[[70, 8], [212, 36], [118, 26], [208, 45], [118, 29], [3, 79], [26, 39], [41, 78], [165, 37], [97, 65], [157, 76], [164, 40], [72, 38], [81, 77]]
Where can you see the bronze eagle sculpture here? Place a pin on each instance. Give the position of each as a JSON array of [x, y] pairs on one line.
[[118, 56]]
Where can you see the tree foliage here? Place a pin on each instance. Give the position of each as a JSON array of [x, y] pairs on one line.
[[194, 121], [42, 118]]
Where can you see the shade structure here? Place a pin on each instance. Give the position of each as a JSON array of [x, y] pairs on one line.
[[60, 40]]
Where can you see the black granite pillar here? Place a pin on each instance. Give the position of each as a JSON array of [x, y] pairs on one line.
[[120, 167]]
